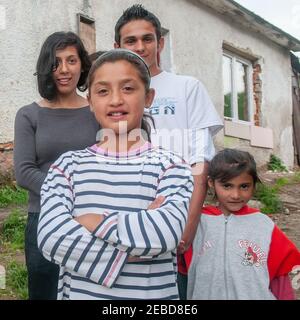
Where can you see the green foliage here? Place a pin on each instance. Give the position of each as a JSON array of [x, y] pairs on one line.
[[12, 195], [296, 177], [275, 164], [13, 229], [281, 182], [268, 196], [242, 106], [227, 105], [17, 279]]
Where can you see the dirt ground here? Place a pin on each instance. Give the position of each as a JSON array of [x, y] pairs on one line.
[[288, 220]]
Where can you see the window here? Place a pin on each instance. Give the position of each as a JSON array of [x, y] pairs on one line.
[[237, 88]]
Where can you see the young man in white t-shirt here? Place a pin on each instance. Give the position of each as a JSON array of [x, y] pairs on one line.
[[185, 118]]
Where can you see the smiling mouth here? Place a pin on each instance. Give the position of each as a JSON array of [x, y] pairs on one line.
[[117, 114], [64, 81]]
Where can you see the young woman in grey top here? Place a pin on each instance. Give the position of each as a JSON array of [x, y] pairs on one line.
[[60, 122]]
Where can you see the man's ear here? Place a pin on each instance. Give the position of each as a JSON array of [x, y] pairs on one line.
[[149, 98], [116, 45], [161, 44]]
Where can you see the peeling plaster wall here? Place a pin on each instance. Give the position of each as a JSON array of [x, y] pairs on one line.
[[28, 23], [196, 32]]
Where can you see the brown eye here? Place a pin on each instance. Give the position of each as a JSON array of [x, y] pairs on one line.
[[128, 89], [102, 92], [72, 61], [149, 39], [245, 186], [130, 41]]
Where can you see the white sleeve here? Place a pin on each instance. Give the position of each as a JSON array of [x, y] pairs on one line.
[[201, 112], [149, 233], [201, 145], [64, 241]]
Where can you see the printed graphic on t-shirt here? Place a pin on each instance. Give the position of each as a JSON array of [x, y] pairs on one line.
[[163, 106], [252, 254]]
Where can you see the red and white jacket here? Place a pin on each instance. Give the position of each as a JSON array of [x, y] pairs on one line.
[[238, 256]]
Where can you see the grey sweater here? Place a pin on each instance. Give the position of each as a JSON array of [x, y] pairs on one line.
[[41, 136]]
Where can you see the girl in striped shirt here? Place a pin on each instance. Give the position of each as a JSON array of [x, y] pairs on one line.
[[113, 214]]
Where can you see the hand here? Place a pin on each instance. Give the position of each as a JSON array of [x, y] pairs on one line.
[[187, 237], [181, 247], [156, 203], [90, 220]]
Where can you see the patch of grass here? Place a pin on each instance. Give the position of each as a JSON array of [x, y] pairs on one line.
[[281, 182], [12, 195], [13, 229], [17, 279], [296, 177], [275, 164], [268, 196]]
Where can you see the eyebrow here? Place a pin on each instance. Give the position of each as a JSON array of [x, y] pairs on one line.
[[240, 184], [135, 37], [71, 56], [107, 83]]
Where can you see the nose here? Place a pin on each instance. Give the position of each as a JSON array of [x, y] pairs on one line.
[[139, 47], [235, 194], [63, 67], [116, 98]]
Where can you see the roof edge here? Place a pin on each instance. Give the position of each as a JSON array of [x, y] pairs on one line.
[[254, 22]]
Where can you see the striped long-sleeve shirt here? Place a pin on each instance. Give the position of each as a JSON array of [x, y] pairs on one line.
[[120, 186]]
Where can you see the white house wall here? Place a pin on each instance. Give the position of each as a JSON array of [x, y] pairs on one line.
[[197, 34]]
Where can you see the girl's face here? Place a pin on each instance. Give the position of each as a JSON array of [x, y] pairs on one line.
[[68, 71], [118, 97], [233, 194]]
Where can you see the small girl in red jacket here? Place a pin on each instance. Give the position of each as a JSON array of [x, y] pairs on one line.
[[238, 252]]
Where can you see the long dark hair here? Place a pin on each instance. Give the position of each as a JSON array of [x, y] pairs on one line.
[[46, 63], [143, 71]]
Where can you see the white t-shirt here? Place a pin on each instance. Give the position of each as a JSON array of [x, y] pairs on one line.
[[185, 117]]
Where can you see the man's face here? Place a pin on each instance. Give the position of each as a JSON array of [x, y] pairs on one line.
[[140, 37]]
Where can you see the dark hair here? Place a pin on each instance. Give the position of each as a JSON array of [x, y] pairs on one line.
[[136, 12], [46, 63], [139, 64], [230, 163]]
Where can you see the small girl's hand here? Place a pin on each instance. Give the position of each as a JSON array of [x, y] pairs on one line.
[[156, 203], [181, 247], [90, 220]]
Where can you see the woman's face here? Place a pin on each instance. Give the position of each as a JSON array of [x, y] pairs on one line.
[[68, 71]]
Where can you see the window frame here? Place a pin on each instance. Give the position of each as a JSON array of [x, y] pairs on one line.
[[234, 98]]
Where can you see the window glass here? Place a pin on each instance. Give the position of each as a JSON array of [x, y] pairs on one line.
[[227, 87], [242, 89]]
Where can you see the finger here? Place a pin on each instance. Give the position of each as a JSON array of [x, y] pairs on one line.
[[156, 203]]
